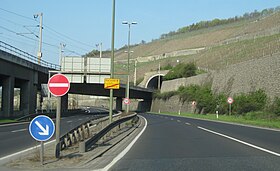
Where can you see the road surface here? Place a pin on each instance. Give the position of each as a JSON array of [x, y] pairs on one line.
[[174, 143], [15, 137]]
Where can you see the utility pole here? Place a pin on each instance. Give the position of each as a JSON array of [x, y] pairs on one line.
[[135, 71], [40, 36], [159, 76], [112, 61], [100, 56], [61, 47]]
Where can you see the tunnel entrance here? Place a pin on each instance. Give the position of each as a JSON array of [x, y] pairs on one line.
[[154, 81]]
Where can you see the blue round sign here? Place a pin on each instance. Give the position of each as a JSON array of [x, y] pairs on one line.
[[41, 128]]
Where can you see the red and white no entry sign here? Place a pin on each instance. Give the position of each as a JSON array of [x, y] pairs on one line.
[[230, 100], [58, 85], [126, 101], [193, 103]]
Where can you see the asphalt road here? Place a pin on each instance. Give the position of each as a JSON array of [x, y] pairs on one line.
[[174, 143], [15, 137]]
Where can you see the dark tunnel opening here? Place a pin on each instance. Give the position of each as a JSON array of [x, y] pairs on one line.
[[153, 83]]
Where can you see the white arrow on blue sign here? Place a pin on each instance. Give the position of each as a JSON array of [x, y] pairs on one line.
[[41, 128]]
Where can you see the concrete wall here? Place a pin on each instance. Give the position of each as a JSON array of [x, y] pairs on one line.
[[175, 84], [263, 73], [244, 77], [171, 105]]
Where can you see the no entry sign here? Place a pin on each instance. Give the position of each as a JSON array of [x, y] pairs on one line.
[[230, 100], [58, 85], [126, 101]]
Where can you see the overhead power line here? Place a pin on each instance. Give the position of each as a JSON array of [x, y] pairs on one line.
[[48, 28]]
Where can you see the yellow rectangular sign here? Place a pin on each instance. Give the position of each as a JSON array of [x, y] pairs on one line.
[[110, 83]]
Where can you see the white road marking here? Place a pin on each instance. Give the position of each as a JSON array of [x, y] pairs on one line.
[[242, 142], [187, 123], [172, 119], [119, 156], [178, 121], [13, 124], [58, 85], [69, 121], [81, 119], [20, 130], [23, 151]]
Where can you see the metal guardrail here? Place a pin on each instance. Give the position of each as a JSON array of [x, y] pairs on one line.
[[93, 140], [20, 53], [89, 132]]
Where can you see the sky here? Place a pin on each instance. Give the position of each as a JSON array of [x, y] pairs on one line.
[[83, 24]]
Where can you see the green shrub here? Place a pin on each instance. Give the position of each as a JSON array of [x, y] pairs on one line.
[[275, 107], [181, 70], [221, 102], [167, 67], [254, 101], [201, 94]]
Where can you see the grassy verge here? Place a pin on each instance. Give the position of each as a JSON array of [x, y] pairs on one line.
[[233, 119], [7, 120]]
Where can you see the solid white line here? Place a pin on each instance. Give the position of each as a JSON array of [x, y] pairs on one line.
[[58, 85], [119, 156], [187, 123], [23, 151], [242, 142], [20, 130], [13, 124]]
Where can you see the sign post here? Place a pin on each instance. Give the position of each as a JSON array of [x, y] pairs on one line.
[[230, 101], [58, 86], [41, 128]]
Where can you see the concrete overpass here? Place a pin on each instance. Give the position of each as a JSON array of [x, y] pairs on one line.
[[19, 69]]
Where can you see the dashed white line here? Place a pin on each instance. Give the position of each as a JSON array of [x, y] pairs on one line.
[[242, 142], [187, 123], [178, 121], [172, 119], [69, 121], [81, 119], [20, 130]]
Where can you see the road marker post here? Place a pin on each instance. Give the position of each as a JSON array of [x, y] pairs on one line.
[[58, 85]]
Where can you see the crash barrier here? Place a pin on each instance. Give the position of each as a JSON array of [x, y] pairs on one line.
[[90, 132], [87, 144], [82, 132]]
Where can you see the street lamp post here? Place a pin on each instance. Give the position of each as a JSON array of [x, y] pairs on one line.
[[128, 56]]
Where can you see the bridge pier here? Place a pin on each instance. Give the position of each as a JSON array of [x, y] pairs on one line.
[[8, 96], [64, 103], [145, 105], [119, 104]]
